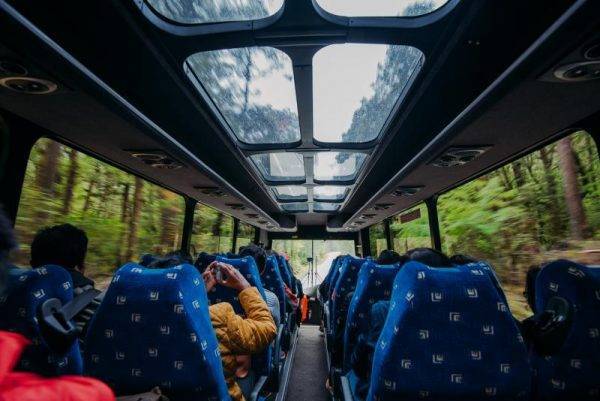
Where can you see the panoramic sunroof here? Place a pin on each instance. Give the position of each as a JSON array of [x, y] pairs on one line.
[[280, 166], [337, 166], [295, 207], [291, 193], [380, 8], [325, 207], [210, 11], [253, 88], [329, 193], [357, 113]]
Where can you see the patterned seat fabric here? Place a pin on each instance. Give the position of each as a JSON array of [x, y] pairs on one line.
[[374, 284], [27, 289], [153, 328], [449, 336], [337, 268], [261, 363], [285, 271], [573, 373], [272, 281], [340, 301]]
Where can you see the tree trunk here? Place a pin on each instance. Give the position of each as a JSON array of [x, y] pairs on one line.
[[71, 182], [168, 214], [132, 238], [555, 215], [578, 221], [45, 179]]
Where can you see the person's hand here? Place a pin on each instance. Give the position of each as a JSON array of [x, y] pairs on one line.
[[233, 277], [209, 278]]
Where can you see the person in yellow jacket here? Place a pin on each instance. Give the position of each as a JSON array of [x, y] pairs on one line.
[[238, 335]]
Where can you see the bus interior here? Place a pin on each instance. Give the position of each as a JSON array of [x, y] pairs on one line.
[[327, 133]]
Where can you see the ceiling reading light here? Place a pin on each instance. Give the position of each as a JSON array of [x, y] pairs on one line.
[[262, 221], [382, 206], [8, 67], [367, 216], [214, 192], [29, 85], [156, 159], [579, 72], [251, 215], [459, 155], [235, 206], [406, 191]]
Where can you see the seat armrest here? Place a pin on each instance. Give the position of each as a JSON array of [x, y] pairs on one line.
[[346, 391], [257, 388]]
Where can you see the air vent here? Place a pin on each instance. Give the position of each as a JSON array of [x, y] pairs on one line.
[[592, 52], [214, 192], [29, 85], [406, 191], [367, 216], [12, 68], [357, 223], [251, 215], [156, 159], [459, 155], [262, 221], [382, 206], [235, 206], [579, 72]]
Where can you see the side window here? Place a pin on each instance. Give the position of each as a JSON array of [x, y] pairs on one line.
[[122, 215], [542, 207], [377, 239], [411, 229], [212, 231], [245, 234]]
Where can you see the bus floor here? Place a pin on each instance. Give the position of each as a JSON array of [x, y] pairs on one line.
[[309, 372]]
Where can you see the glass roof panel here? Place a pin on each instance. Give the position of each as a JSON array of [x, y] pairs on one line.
[[337, 166], [280, 166], [291, 192], [358, 112], [329, 193], [211, 11], [380, 8], [325, 207], [253, 88], [295, 207]]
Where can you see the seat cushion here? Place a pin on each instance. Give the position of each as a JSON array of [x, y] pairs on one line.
[[27, 289], [573, 373], [449, 335], [153, 328]]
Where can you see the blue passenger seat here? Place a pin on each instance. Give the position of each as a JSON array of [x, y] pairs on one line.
[[272, 281], [26, 290], [152, 329], [573, 373], [449, 335], [374, 284], [261, 363]]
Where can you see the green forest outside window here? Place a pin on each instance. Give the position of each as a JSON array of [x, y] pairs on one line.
[[123, 215], [212, 231], [245, 234], [541, 207], [377, 239], [410, 229]]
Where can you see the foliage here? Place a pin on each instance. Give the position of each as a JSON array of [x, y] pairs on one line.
[[412, 234]]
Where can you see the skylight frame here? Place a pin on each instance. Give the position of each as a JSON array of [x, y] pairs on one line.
[[345, 180], [320, 207], [271, 180], [398, 103], [208, 26], [288, 207], [289, 199], [340, 199], [219, 114]]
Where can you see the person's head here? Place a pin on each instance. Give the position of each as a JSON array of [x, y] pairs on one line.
[[388, 257], [171, 259], [529, 292], [460, 259], [64, 245], [258, 253], [429, 257]]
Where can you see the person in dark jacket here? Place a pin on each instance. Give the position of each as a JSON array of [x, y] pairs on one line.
[[66, 246]]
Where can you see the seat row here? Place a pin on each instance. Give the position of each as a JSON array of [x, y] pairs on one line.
[[152, 328], [449, 333]]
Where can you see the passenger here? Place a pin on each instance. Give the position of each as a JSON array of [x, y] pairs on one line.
[[171, 259], [361, 358], [388, 257], [66, 245], [260, 257], [238, 336], [29, 386]]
